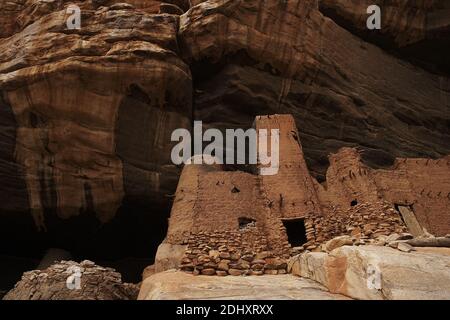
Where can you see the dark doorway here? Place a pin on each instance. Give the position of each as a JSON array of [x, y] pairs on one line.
[[296, 232]]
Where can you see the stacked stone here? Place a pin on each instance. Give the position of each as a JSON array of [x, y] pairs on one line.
[[368, 222], [281, 243], [364, 221], [235, 253], [96, 283]]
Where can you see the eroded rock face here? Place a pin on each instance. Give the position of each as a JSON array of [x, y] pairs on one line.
[[285, 57], [96, 283], [405, 21], [85, 123], [93, 108], [414, 29]]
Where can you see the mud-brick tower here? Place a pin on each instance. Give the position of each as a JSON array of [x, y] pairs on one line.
[[291, 191]]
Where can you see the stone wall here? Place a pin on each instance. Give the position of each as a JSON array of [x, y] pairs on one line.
[[239, 252], [363, 221]]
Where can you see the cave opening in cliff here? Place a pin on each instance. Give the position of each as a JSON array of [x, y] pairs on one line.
[[296, 231], [128, 243]]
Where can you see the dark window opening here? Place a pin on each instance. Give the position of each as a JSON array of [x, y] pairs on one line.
[[246, 222], [296, 232], [36, 120], [235, 190], [354, 203]]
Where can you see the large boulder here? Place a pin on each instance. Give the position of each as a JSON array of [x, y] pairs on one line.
[[375, 272], [96, 283]]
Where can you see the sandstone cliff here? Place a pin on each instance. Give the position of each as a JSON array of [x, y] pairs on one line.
[[86, 115]]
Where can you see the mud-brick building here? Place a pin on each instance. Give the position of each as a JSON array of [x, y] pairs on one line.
[[211, 199], [291, 208]]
